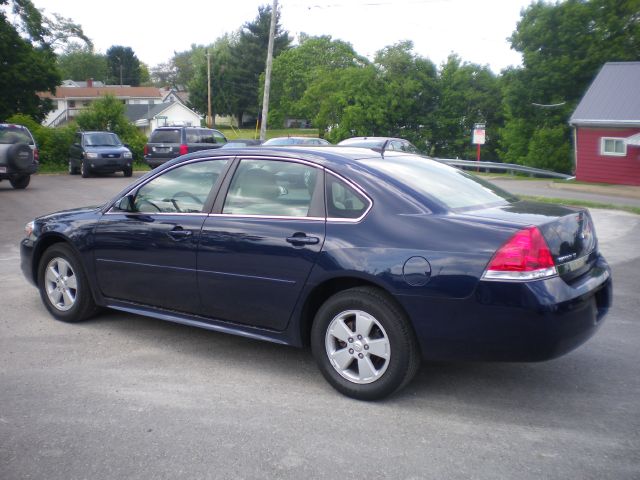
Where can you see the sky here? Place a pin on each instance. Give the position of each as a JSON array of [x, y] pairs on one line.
[[476, 30]]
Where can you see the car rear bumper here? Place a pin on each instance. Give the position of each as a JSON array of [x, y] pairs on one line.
[[155, 162], [7, 171], [530, 321]]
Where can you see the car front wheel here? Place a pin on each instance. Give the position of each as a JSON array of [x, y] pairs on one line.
[[63, 285], [364, 344], [84, 170]]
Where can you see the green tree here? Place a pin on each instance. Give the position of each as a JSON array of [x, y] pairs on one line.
[[81, 63], [248, 59], [297, 67], [350, 102], [563, 46], [410, 93], [123, 66], [28, 64], [468, 94], [220, 54], [107, 114]]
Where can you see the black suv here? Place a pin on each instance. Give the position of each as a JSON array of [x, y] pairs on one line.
[[18, 155], [166, 143], [99, 152]]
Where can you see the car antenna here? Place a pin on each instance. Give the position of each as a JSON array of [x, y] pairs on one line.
[[382, 148]]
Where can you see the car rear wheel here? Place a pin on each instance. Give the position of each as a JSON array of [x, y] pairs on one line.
[[63, 285], [363, 344], [20, 182], [84, 170]]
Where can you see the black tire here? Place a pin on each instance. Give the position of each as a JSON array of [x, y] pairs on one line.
[[127, 171], [390, 324], [83, 305], [85, 171], [73, 170], [20, 156], [20, 182]]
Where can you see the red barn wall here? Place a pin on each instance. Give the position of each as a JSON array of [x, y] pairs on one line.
[[593, 167]]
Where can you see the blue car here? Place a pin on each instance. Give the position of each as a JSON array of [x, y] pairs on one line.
[[377, 260]]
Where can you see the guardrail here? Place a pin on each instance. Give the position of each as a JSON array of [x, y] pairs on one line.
[[505, 167]]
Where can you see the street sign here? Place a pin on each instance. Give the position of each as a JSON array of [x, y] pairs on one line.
[[479, 137]]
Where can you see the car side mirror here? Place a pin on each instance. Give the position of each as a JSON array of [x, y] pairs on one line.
[[126, 145]]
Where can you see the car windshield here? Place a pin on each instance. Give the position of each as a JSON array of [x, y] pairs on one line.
[[102, 140], [165, 136], [452, 187], [12, 134]]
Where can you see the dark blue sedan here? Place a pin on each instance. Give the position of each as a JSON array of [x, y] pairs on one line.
[[375, 260]]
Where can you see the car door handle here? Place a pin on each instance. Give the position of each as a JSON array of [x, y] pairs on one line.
[[303, 240], [179, 233]]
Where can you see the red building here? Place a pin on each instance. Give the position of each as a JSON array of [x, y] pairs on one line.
[[606, 127]]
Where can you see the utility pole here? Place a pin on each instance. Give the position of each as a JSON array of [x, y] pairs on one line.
[[267, 74], [209, 119]]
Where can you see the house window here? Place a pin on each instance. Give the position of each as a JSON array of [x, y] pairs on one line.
[[613, 147], [72, 104]]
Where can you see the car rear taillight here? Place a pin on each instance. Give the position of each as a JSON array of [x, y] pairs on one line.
[[184, 149], [525, 256], [145, 150], [36, 155]]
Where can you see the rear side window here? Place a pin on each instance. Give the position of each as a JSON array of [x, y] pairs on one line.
[[343, 201], [271, 188], [165, 136], [14, 134]]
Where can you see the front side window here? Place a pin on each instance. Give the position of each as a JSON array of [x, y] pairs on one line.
[[613, 146], [271, 188], [183, 189]]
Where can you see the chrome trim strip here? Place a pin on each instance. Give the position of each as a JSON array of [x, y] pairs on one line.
[[168, 267], [147, 214], [249, 277], [272, 217]]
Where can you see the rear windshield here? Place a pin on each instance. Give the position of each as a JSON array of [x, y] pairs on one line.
[[14, 134], [165, 136], [447, 185], [101, 140]]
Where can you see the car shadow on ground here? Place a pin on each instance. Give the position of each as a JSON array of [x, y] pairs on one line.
[[504, 390]]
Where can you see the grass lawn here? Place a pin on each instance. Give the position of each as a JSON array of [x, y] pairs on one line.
[[582, 203]]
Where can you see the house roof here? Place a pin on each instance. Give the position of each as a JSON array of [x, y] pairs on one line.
[[140, 111], [613, 98], [95, 92], [145, 112]]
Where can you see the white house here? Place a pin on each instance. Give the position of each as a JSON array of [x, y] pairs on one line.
[[68, 101], [149, 117]]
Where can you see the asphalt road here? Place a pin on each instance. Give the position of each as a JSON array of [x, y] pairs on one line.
[[123, 396]]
